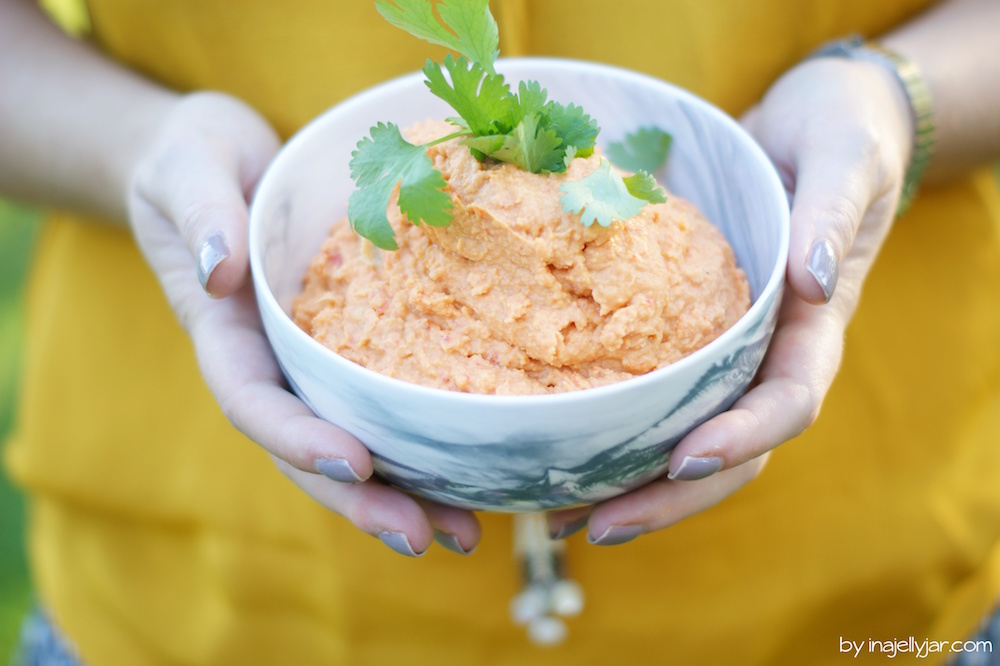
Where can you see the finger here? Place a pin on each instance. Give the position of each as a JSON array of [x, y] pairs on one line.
[[373, 507], [565, 523], [663, 503], [796, 374], [832, 192], [773, 412], [284, 426], [159, 241], [196, 186], [239, 367], [456, 529], [203, 172]]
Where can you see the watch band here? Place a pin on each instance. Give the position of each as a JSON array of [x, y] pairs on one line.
[[918, 95]]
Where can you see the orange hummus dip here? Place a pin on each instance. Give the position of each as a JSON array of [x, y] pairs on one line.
[[516, 296]]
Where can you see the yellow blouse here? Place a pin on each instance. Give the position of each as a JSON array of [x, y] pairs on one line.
[[160, 535]]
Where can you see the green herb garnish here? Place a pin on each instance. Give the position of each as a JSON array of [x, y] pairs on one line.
[[378, 164], [468, 27], [524, 128], [643, 150], [603, 196]]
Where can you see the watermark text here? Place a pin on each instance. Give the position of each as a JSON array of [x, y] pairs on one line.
[[910, 646]]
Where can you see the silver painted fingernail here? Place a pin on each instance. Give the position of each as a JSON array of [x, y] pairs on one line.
[[822, 265], [211, 253], [692, 468], [337, 469], [616, 535], [450, 541], [570, 528], [398, 542]]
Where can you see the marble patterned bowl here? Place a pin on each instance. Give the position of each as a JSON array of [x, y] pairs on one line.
[[524, 453]]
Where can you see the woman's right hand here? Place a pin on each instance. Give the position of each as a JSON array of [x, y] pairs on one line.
[[187, 204]]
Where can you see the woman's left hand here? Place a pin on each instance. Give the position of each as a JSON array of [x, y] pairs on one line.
[[839, 132], [187, 202]]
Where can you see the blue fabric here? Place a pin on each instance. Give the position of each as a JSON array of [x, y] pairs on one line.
[[42, 644], [983, 649]]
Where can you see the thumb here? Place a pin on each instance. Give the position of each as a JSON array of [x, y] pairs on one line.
[[201, 178], [203, 200], [831, 192]]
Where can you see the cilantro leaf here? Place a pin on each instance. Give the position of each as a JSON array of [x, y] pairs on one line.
[[601, 197], [531, 147], [478, 96], [366, 213], [476, 29], [378, 164], [643, 150], [485, 145], [643, 186], [530, 99], [573, 126], [466, 26], [570, 154]]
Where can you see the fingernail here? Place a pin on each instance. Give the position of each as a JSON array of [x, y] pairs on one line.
[[570, 528], [692, 468], [337, 469], [211, 253], [822, 265], [398, 542], [616, 534], [450, 541]]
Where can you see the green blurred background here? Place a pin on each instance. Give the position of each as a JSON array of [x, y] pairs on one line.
[[18, 231]]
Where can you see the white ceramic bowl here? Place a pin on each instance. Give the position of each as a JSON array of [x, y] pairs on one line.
[[520, 453]]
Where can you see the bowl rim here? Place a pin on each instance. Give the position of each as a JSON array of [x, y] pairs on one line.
[[265, 296]]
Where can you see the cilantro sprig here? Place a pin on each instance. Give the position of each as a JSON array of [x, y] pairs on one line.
[[524, 128]]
